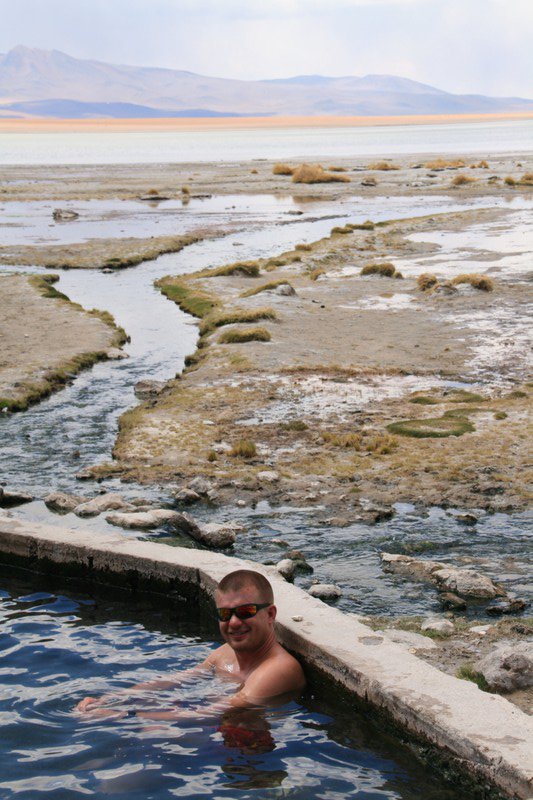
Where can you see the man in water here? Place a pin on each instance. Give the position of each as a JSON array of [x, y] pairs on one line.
[[251, 655]]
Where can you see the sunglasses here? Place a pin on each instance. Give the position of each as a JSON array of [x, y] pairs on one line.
[[241, 612]]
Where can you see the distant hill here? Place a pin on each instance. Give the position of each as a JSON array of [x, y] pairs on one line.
[[41, 83]]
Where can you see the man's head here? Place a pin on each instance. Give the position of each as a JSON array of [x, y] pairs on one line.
[[240, 588]]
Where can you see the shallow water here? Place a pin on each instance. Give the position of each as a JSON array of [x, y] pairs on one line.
[[56, 648], [140, 147], [43, 448]]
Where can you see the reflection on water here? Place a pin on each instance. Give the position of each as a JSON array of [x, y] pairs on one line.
[[57, 648]]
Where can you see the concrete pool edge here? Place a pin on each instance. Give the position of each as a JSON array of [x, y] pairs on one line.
[[486, 734]]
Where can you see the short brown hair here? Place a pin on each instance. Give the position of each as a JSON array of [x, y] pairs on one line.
[[241, 578]]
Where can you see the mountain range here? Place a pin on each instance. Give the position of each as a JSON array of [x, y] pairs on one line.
[[42, 83]]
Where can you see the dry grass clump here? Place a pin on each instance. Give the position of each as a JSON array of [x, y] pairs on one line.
[[340, 229], [266, 287], [384, 166], [509, 181], [316, 273], [243, 448], [349, 440], [192, 301], [364, 226], [481, 282], [426, 281], [527, 179], [248, 269], [480, 165], [337, 169], [442, 163], [315, 173], [236, 336], [462, 179], [185, 190], [282, 169], [305, 248], [381, 444], [236, 316], [295, 425], [423, 400], [253, 172], [386, 270]]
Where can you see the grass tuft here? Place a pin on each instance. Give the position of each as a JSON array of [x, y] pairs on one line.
[[462, 179], [351, 440], [384, 166], [315, 173], [192, 301], [481, 282], [316, 273], [509, 181], [248, 269], [234, 317], [295, 425], [468, 673], [339, 229], [236, 336], [244, 448], [265, 287], [426, 281], [441, 163], [305, 248], [386, 269], [282, 169]]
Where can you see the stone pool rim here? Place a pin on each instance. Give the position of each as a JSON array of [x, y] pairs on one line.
[[483, 734]]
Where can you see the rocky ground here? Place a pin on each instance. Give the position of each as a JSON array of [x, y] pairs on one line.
[[315, 385]]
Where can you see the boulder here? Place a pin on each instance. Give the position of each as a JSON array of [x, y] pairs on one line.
[[452, 602], [103, 502], [286, 568], [64, 215], [515, 606], [285, 290], [466, 582], [216, 534], [200, 485], [481, 630], [375, 513], [325, 591], [187, 496], [63, 502], [146, 389], [509, 667], [438, 625], [9, 499], [267, 476], [144, 520]]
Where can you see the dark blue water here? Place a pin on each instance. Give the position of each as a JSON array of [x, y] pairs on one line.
[[56, 648]]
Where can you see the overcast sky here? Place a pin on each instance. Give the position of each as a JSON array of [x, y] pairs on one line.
[[462, 46]]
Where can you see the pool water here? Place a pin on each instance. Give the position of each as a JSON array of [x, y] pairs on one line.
[[57, 647]]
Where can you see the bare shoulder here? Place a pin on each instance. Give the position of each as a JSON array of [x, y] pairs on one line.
[[279, 674], [220, 658]]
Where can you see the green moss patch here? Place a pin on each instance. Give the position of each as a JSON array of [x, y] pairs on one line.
[[192, 301], [468, 673], [237, 316], [432, 428]]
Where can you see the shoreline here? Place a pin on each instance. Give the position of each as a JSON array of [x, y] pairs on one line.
[[178, 124]]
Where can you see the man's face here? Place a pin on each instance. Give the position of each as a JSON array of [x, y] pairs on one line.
[[245, 635]]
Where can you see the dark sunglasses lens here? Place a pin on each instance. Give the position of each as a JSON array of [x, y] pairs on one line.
[[224, 614], [245, 612]]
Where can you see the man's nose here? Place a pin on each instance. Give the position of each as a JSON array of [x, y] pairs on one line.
[[234, 620]]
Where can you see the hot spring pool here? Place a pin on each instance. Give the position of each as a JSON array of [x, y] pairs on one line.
[[57, 647]]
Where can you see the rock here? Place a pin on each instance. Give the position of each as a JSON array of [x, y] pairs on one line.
[[217, 534], [325, 591], [107, 271], [446, 288], [481, 630], [337, 522], [279, 542], [63, 502], [200, 485], [509, 667], [241, 503], [144, 520], [285, 567], [452, 602], [466, 519], [285, 290], [374, 513], [9, 499], [267, 476], [438, 625], [146, 389], [187, 496], [467, 583], [222, 447], [506, 607], [116, 354], [104, 502], [410, 639], [63, 215], [415, 569], [301, 565]]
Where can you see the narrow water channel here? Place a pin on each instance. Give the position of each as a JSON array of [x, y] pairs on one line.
[[43, 448]]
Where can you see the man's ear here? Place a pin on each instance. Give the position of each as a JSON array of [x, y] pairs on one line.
[[272, 611]]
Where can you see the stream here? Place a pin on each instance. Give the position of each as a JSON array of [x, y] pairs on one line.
[[43, 448]]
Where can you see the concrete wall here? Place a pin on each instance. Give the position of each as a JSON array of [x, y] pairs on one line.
[[483, 733]]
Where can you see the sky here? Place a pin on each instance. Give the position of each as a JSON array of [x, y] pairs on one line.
[[460, 46]]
